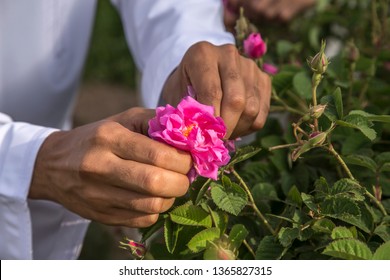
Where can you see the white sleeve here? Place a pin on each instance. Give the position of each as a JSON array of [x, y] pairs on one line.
[[159, 32], [31, 229], [19, 144]]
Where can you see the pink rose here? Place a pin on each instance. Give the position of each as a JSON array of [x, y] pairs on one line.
[[270, 69], [192, 127], [254, 46]]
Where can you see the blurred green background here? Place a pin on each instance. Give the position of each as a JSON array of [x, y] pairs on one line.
[[109, 59]]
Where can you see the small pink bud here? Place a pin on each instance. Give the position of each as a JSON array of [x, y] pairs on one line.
[[254, 46], [270, 69]]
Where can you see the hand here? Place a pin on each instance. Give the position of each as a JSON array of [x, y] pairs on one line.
[[232, 84], [258, 10], [108, 172]]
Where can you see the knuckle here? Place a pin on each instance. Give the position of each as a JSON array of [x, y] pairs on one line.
[[237, 102], [230, 50], [153, 181], [157, 156], [252, 109], [156, 205]]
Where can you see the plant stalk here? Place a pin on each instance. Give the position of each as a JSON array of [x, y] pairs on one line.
[[253, 204], [249, 248]]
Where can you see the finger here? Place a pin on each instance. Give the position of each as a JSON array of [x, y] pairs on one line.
[[204, 76], [234, 95], [137, 177], [252, 106], [265, 100], [106, 196], [120, 217], [137, 147]]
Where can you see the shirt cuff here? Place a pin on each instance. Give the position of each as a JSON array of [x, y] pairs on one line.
[[19, 145]]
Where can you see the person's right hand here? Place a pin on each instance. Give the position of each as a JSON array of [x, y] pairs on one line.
[[106, 172]]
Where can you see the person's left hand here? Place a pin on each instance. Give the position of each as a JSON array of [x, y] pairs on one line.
[[237, 89]]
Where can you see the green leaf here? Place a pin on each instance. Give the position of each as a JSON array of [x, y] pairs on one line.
[[354, 142], [361, 160], [287, 236], [324, 225], [199, 241], [348, 188], [321, 185], [269, 249], [341, 232], [231, 199], [383, 252], [371, 117], [221, 220], [202, 190], [359, 122], [383, 231], [348, 249], [338, 101], [330, 110], [339, 206], [308, 200], [302, 85], [294, 196], [171, 235], [243, 154], [190, 215], [237, 235]]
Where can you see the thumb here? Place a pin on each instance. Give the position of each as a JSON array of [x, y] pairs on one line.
[[135, 119]]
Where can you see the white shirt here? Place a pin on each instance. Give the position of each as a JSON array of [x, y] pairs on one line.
[[43, 44]]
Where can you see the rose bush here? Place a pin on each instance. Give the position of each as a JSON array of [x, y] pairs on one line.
[[315, 183]]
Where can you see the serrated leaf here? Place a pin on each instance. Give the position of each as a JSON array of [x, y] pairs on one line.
[[383, 252], [287, 236], [348, 249], [341, 232], [323, 225], [348, 188], [302, 85], [269, 249], [243, 154], [383, 231], [199, 241], [230, 199], [361, 160], [338, 102], [190, 215], [237, 235], [339, 206], [171, 235], [359, 122]]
